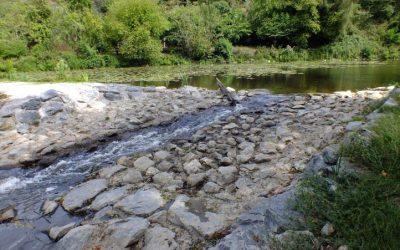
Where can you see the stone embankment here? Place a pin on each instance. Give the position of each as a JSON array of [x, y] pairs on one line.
[[225, 187], [41, 122]]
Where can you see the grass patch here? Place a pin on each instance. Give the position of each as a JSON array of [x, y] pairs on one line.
[[364, 207]]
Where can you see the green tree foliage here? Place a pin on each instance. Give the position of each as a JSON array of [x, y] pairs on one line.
[[285, 21], [133, 29]]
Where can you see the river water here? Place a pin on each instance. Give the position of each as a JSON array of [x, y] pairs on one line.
[[307, 80]]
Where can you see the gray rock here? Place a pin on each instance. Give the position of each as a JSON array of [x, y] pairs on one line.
[[161, 155], [195, 179], [206, 224], [159, 238], [163, 178], [6, 124], [131, 176], [192, 167], [268, 148], [32, 104], [243, 158], [57, 233], [353, 126], [83, 193], [30, 117], [228, 174], [317, 165], [112, 96], [331, 154], [390, 102], [230, 126], [211, 188], [108, 172], [164, 165], [144, 202], [261, 158], [109, 198], [327, 229], [290, 240], [49, 94], [52, 108], [143, 163], [49, 207], [121, 234], [79, 238]]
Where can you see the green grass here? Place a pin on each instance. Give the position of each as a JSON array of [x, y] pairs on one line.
[[365, 208]]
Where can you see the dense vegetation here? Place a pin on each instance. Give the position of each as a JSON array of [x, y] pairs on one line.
[[79, 34], [364, 208]]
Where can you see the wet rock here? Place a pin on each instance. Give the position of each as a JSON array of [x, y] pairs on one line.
[[143, 163], [83, 193], [205, 223], [108, 198], [195, 179], [160, 238], [143, 202], [78, 238], [57, 233], [163, 178], [121, 234], [29, 117], [327, 229], [228, 174], [112, 96], [108, 172], [211, 187], [331, 154], [192, 167], [49, 207], [161, 155]]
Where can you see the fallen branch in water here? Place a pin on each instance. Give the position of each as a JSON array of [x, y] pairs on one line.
[[225, 92]]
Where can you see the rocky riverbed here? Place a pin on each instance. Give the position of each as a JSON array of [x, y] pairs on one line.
[[214, 188]]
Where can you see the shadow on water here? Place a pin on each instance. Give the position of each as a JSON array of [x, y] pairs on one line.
[[310, 80]]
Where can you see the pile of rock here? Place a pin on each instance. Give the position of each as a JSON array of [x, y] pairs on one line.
[[193, 190]]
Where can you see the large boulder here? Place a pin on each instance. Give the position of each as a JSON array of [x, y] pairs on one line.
[[83, 193], [143, 202]]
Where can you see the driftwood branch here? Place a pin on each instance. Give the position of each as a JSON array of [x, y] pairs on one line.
[[225, 92]]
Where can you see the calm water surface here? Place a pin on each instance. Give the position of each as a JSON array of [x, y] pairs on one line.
[[326, 80]]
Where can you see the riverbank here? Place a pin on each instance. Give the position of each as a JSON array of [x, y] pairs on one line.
[[191, 191]]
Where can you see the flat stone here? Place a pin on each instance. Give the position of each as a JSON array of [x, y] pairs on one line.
[[243, 158], [261, 158], [108, 198], [78, 238], [32, 104], [121, 234], [164, 165], [143, 202], [108, 172], [230, 126], [159, 238], [353, 126], [163, 178], [49, 94], [211, 187], [143, 163], [57, 233], [83, 193], [207, 224], [52, 108], [49, 207], [7, 214], [192, 167], [30, 117]]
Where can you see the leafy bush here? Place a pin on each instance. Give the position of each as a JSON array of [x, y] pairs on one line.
[[223, 48]]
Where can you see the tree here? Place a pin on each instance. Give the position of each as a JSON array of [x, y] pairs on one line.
[[285, 22], [134, 27]]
